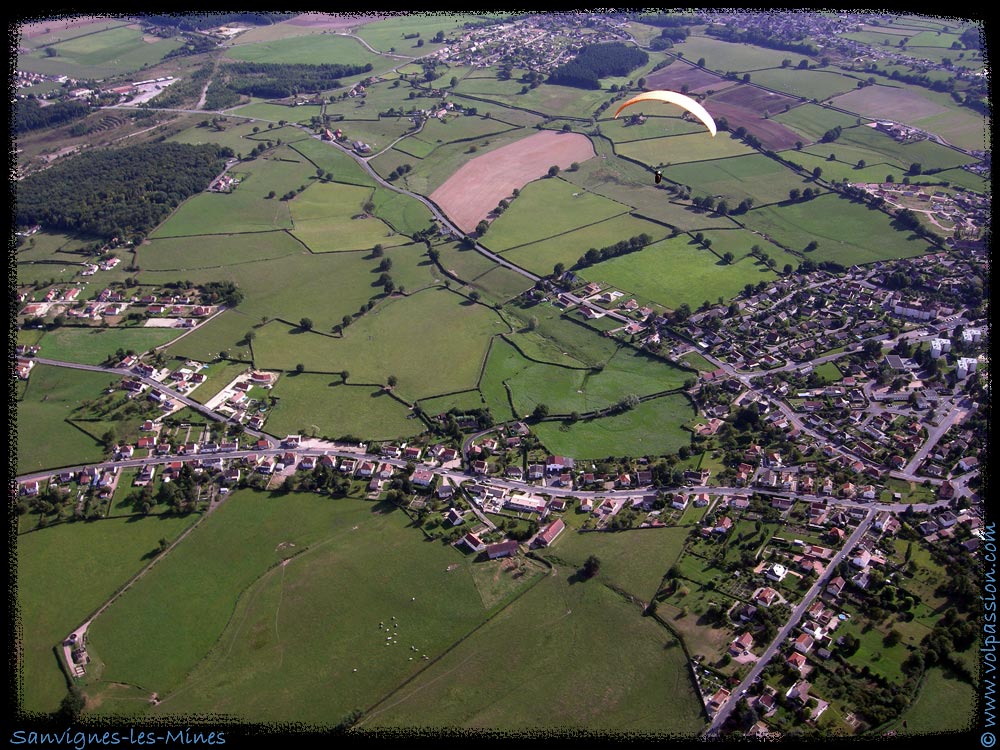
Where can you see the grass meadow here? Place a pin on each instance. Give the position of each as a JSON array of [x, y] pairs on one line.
[[680, 149], [390, 32], [287, 626], [547, 208], [635, 560], [944, 704], [322, 49], [184, 254], [43, 436], [633, 676], [812, 120], [322, 405], [410, 337], [847, 233], [568, 247], [91, 346], [725, 56], [674, 271], [756, 177], [651, 428], [63, 574], [329, 158], [811, 84], [103, 52]]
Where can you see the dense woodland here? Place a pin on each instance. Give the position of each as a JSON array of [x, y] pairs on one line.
[[117, 192], [202, 21], [277, 80], [598, 61], [760, 39], [30, 115]]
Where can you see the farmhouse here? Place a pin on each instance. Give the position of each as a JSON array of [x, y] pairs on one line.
[[554, 529], [501, 549]]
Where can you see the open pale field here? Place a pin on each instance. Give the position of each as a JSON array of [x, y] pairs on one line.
[[476, 188], [403, 213], [408, 337], [51, 397], [316, 49], [63, 574], [239, 136], [632, 678], [548, 208], [661, 120], [757, 177], [284, 646], [920, 108], [183, 254], [651, 428], [568, 247], [683, 72], [321, 404], [458, 128], [679, 149], [673, 272], [634, 560], [339, 235], [846, 232], [845, 165], [91, 346]]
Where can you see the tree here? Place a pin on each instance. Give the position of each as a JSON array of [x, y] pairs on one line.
[[861, 164], [300, 368], [558, 269], [553, 170], [306, 324], [541, 411], [793, 194], [817, 173], [391, 381], [591, 566], [728, 257], [344, 375], [474, 295]]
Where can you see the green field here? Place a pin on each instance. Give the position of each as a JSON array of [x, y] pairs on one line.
[[402, 212], [89, 52], [812, 120], [323, 405], [183, 254], [547, 208], [329, 218], [756, 177], [652, 428], [634, 560], [811, 84], [91, 346], [263, 625], [679, 149], [246, 209], [323, 49], [51, 398], [846, 232], [388, 33], [675, 271], [329, 158], [266, 112], [63, 574], [409, 337], [632, 678], [568, 247], [727, 56]]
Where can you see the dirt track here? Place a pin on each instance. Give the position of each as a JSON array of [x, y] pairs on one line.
[[477, 187]]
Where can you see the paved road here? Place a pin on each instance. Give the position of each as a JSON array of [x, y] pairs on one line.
[[720, 718]]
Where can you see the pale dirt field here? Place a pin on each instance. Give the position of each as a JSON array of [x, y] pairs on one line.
[[479, 185]]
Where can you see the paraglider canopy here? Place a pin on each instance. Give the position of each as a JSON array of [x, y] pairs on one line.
[[672, 97]]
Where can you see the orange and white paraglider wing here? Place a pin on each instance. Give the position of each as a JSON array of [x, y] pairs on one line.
[[672, 97]]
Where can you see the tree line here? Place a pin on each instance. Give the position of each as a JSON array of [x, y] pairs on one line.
[[277, 80], [760, 39], [30, 115], [118, 192], [622, 247], [598, 61]]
